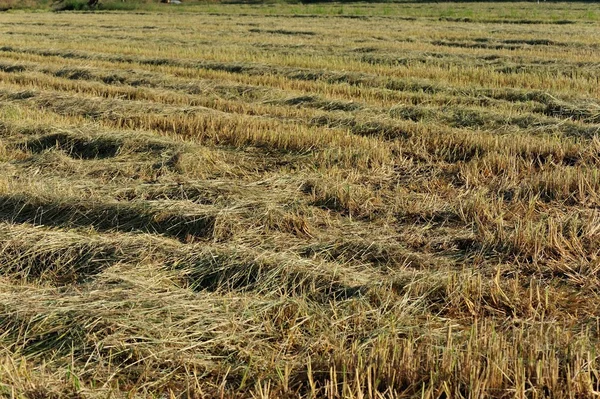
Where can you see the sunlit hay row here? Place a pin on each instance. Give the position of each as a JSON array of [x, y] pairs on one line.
[[517, 180], [279, 108], [380, 248], [348, 193], [137, 80], [242, 53], [86, 159], [587, 111], [515, 60], [570, 238], [462, 52], [494, 292], [412, 52], [114, 74], [349, 199], [305, 204], [82, 145], [387, 96], [58, 257], [571, 186], [460, 117], [457, 76], [531, 239], [94, 148], [18, 121], [208, 126], [463, 76], [433, 142], [27, 132], [358, 151], [471, 117], [60, 159], [463, 117], [90, 154], [524, 169], [531, 232], [56, 203], [453, 116], [282, 41], [337, 201], [271, 274], [567, 239], [489, 154], [526, 45], [173, 213]]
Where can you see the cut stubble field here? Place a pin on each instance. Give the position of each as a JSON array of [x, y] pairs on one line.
[[293, 201]]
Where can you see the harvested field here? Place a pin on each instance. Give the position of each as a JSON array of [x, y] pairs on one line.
[[301, 201]]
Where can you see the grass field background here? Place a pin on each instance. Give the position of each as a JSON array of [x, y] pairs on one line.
[[282, 201]]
